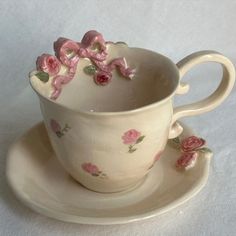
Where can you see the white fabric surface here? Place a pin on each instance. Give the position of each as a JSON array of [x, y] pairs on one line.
[[173, 28]]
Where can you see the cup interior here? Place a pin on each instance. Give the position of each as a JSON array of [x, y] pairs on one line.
[[156, 78]]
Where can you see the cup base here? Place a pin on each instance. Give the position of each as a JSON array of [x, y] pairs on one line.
[[125, 188]]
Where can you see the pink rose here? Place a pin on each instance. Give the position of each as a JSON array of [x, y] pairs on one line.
[[55, 126], [131, 136], [187, 159], [158, 156], [90, 168], [102, 78], [49, 64], [192, 143]]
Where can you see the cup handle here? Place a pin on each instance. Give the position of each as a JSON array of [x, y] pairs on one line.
[[209, 103]]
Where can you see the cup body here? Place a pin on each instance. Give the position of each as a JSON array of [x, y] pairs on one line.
[[108, 129], [113, 148], [108, 153]]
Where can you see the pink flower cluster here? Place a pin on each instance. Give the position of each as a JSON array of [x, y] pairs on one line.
[[189, 148], [68, 54]]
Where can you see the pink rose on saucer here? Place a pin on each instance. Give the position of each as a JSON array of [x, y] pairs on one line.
[[192, 143], [131, 136], [49, 64], [102, 78], [187, 159], [190, 148], [90, 168]]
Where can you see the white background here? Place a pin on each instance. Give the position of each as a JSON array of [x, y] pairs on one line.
[[173, 28]]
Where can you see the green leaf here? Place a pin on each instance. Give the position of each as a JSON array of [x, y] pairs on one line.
[[67, 126], [151, 166], [59, 134], [43, 76], [140, 139], [90, 70], [132, 150], [204, 150], [176, 140], [95, 174]]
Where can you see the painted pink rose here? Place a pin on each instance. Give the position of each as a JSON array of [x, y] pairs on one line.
[[187, 159], [158, 156], [55, 126], [192, 143], [90, 168], [49, 64], [131, 136], [102, 78]]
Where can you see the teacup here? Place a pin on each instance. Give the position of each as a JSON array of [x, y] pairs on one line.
[[108, 108]]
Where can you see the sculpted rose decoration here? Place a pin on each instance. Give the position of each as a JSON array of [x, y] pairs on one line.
[[190, 148], [48, 63], [68, 54], [102, 78], [192, 143]]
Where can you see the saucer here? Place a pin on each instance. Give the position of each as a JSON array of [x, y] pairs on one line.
[[40, 182]]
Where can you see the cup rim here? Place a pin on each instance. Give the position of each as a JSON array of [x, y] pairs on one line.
[[115, 113]]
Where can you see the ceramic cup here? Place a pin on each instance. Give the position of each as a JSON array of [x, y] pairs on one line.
[[108, 126]]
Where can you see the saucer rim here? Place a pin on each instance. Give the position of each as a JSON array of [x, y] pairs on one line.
[[72, 218]]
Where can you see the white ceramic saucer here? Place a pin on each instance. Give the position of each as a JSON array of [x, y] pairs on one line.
[[41, 183]]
